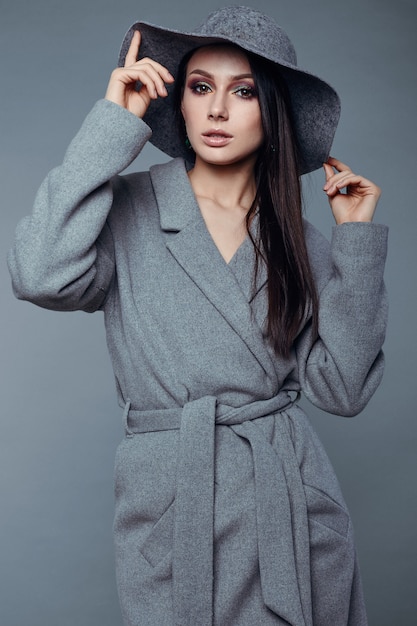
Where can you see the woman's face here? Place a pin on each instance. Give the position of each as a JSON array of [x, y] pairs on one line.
[[220, 106]]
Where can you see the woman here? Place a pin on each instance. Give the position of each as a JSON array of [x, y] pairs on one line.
[[221, 305]]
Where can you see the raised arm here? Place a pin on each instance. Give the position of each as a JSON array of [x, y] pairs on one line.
[[340, 371], [62, 257]]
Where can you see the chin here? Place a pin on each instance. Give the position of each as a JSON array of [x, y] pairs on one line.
[[227, 159]]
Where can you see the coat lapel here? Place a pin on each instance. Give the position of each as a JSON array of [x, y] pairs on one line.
[[192, 246], [242, 264]]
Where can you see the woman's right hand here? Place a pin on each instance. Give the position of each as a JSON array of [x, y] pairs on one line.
[[151, 75]]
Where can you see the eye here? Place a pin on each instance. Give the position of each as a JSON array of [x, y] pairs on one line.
[[245, 91], [200, 87]]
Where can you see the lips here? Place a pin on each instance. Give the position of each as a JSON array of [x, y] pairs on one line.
[[216, 137]]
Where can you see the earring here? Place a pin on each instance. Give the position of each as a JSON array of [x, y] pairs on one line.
[[188, 143], [272, 147]]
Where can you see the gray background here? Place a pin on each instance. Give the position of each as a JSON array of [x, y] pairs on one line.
[[59, 420]]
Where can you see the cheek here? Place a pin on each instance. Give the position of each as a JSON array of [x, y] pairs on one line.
[[249, 115], [255, 124], [185, 106], [258, 123], [187, 112], [191, 116]]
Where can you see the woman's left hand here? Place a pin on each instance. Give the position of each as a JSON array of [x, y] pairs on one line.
[[359, 201]]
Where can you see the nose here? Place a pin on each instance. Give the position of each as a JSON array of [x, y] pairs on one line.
[[218, 107]]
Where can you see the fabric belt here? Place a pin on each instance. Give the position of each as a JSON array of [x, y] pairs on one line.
[[282, 546]]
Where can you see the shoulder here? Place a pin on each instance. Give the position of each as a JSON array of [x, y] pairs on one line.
[[154, 193], [151, 182]]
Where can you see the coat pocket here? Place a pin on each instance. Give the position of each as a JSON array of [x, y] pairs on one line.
[[324, 511], [331, 558], [159, 541]]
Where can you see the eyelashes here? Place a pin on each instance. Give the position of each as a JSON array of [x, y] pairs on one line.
[[200, 87], [246, 91]]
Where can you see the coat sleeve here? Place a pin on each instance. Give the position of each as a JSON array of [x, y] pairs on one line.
[[341, 369], [62, 257]]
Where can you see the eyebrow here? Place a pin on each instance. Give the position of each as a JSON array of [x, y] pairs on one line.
[[208, 75]]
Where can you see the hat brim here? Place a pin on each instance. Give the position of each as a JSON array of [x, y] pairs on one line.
[[315, 104]]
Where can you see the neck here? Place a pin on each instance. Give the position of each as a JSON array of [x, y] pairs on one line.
[[229, 186]]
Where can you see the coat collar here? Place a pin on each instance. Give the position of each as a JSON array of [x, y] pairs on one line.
[[176, 201], [229, 288]]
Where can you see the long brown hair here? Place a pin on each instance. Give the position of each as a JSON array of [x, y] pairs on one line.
[[280, 242]]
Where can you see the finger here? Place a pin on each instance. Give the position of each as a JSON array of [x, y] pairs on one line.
[[359, 186], [328, 171], [333, 179], [161, 70], [150, 76], [335, 183], [355, 185], [336, 186], [148, 73], [338, 165], [133, 52]]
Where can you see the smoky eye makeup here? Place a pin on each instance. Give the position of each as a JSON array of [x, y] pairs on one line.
[[199, 86], [245, 91]]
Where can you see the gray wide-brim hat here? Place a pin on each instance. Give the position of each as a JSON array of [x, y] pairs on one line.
[[315, 105]]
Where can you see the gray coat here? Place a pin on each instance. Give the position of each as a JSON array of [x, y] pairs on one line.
[[227, 509]]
